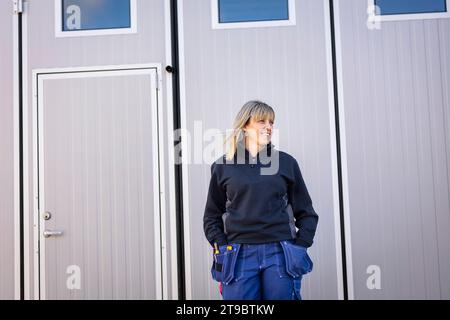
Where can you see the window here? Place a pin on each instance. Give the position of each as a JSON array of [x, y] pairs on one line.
[[252, 13], [410, 9], [94, 17]]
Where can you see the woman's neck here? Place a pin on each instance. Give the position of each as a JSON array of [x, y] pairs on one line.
[[253, 148]]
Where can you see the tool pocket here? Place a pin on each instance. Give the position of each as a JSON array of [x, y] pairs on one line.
[[224, 262], [298, 261]]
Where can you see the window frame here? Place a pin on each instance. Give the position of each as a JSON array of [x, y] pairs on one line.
[[60, 33], [216, 24], [408, 16]]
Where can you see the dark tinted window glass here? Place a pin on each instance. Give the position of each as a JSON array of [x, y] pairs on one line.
[[95, 14], [410, 6], [253, 10]]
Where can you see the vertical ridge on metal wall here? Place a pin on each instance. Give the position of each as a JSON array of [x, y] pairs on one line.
[[338, 149], [178, 167], [20, 99]]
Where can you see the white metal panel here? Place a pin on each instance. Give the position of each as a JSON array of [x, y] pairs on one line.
[[396, 99], [43, 50], [7, 168], [287, 67]]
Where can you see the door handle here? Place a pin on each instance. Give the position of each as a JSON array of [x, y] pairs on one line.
[[52, 233]]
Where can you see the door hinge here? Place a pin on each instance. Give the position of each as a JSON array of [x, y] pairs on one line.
[[17, 6]]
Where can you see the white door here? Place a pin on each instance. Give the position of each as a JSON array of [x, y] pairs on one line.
[[98, 226]]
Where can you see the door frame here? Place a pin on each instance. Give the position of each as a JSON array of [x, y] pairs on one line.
[[40, 75]]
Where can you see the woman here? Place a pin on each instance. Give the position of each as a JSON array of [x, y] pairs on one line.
[[259, 217]]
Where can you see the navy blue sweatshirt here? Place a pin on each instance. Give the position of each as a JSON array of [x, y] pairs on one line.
[[247, 205]]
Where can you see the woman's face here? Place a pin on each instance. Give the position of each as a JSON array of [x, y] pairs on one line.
[[259, 131]]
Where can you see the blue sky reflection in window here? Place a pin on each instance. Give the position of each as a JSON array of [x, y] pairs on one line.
[[252, 10], [389, 7], [95, 14]]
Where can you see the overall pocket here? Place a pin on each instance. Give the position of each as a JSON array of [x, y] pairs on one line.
[[298, 261], [224, 262]]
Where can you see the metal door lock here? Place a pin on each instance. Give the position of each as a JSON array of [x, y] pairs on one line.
[[47, 215]]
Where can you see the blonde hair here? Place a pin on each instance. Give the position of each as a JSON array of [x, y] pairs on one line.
[[255, 109]]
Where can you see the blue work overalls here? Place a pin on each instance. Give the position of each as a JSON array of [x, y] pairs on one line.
[[266, 271]]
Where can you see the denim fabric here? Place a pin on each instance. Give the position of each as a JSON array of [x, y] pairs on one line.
[[267, 271]]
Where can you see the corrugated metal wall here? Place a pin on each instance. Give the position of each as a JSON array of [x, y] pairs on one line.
[[395, 100], [396, 91], [45, 51], [287, 67], [6, 153]]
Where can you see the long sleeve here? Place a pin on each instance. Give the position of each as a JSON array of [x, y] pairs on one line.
[[306, 218], [214, 209]]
